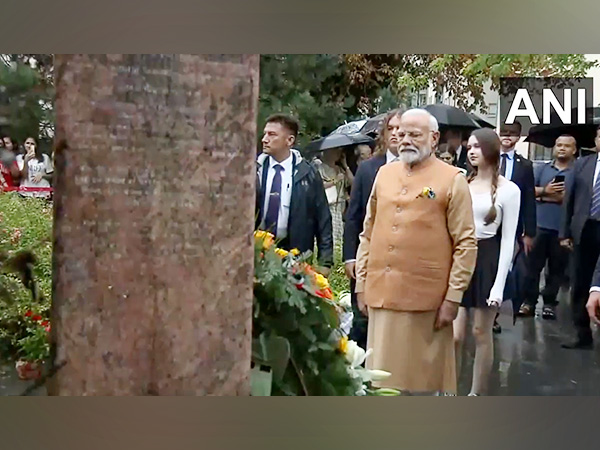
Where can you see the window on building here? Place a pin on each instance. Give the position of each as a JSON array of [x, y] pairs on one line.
[[493, 110], [539, 153]]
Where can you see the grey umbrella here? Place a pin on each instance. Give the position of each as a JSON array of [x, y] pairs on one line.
[[372, 126]]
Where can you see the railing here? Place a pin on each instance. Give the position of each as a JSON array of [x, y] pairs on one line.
[[24, 189]]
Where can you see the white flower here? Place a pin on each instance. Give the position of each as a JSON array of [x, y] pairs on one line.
[[345, 299], [356, 356]]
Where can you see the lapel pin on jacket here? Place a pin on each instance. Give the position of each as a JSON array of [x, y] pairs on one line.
[[427, 192]]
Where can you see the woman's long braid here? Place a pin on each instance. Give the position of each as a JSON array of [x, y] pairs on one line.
[[491, 215]]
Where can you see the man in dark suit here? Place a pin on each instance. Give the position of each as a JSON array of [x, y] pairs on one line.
[[387, 151], [454, 139], [291, 200], [580, 232], [519, 170]]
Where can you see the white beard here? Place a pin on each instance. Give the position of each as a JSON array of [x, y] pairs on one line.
[[410, 157]]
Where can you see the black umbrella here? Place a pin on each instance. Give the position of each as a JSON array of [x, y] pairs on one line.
[[481, 121], [450, 117], [584, 134], [338, 140]]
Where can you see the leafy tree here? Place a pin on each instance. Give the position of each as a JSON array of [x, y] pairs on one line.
[[324, 90], [26, 95], [309, 87], [461, 75]]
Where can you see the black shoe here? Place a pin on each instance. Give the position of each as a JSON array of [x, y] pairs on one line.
[[578, 344], [497, 328], [526, 310], [548, 313]]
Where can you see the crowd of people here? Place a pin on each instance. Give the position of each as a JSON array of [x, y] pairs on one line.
[[25, 168], [439, 231]]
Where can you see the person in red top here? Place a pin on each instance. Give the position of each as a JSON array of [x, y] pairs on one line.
[[10, 174], [9, 170]]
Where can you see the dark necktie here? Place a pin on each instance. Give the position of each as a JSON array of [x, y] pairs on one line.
[[595, 208], [504, 157], [274, 201]]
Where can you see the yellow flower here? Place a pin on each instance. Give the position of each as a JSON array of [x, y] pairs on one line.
[[343, 345], [322, 282], [264, 236], [295, 251], [281, 252], [425, 192]]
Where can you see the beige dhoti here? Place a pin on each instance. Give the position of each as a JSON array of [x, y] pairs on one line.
[[405, 344]]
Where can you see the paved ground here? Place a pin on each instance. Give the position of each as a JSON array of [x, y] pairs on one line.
[[10, 383], [528, 361]]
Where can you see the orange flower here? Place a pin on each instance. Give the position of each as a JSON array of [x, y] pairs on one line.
[[325, 293]]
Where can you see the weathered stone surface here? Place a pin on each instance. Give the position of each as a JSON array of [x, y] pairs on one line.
[[154, 215]]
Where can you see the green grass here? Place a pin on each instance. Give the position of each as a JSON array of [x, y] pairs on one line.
[[32, 219]]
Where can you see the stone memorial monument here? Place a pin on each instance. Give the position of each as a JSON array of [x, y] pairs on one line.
[[154, 213]]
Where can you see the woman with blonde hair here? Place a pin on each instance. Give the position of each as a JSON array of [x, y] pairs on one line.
[[496, 203]]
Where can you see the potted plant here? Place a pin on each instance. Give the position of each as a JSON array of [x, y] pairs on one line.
[[34, 347]]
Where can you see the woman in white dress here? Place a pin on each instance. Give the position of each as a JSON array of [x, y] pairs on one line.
[[36, 170], [496, 203]]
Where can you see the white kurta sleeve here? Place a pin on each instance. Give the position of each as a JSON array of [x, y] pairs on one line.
[[510, 202]]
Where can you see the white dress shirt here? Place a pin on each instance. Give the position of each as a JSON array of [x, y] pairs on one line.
[[459, 150], [596, 171], [390, 157], [286, 194], [510, 163]]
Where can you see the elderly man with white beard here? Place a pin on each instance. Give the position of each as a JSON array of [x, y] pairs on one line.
[[415, 260]]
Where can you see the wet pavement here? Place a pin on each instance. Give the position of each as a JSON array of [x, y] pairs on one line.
[[528, 358], [10, 383]]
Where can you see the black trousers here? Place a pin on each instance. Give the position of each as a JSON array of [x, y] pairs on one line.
[[585, 256], [360, 323], [546, 249]]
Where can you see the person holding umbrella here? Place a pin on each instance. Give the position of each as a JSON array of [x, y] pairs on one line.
[[454, 123], [337, 178]]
